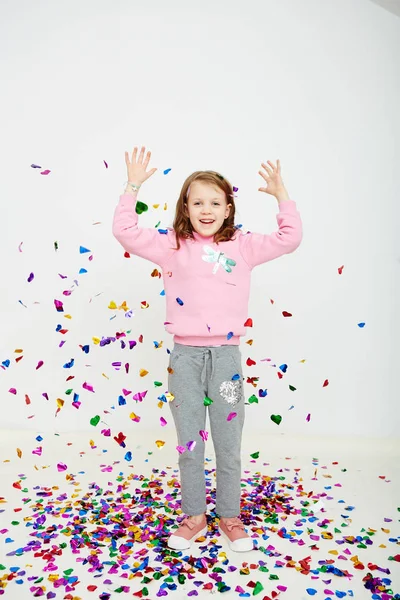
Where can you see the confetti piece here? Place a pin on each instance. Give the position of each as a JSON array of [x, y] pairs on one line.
[[276, 419]]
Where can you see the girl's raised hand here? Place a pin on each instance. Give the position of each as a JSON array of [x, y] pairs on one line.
[[137, 168], [272, 177]]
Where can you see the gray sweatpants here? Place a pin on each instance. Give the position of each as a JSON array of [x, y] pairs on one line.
[[200, 371]]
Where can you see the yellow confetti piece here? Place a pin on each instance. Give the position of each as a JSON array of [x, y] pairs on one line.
[[123, 306], [96, 340], [60, 402], [160, 404], [382, 546], [335, 552], [385, 530], [160, 443], [143, 372], [134, 417], [18, 350], [67, 316], [169, 396], [19, 452], [112, 305], [155, 205]]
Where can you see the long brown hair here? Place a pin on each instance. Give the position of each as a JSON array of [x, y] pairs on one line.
[[182, 225]]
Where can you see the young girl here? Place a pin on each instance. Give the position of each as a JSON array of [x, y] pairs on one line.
[[206, 264]]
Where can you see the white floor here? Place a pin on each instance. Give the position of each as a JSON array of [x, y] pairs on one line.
[[362, 494]]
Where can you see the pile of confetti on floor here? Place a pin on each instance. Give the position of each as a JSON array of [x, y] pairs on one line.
[[119, 533]]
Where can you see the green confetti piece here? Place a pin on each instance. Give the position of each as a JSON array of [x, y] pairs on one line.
[[253, 399], [141, 207], [258, 588], [276, 419], [255, 455], [94, 421], [207, 401]]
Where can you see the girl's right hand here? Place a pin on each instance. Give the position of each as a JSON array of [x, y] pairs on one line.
[[137, 169]]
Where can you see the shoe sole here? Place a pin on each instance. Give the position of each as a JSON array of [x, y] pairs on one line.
[[177, 542], [230, 543]]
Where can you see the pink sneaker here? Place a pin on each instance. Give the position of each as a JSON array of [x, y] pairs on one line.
[[232, 529], [187, 532]]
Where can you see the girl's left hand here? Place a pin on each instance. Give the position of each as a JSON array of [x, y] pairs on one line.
[[273, 178]]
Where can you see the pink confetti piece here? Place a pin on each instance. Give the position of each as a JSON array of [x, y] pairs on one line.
[[308, 417], [37, 451], [88, 387], [181, 449], [163, 422], [40, 364], [231, 416], [203, 435], [61, 467], [191, 445], [12, 391]]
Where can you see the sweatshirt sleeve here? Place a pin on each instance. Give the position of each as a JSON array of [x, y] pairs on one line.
[[144, 242], [258, 248]]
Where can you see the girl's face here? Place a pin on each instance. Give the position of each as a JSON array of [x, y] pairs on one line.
[[206, 203]]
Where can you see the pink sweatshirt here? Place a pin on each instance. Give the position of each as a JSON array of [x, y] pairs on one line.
[[207, 285]]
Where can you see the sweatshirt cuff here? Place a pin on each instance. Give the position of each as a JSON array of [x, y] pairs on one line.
[[286, 205]]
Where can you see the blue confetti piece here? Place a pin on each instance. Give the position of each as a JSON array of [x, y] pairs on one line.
[[6, 363], [69, 365], [128, 456], [81, 271], [179, 301], [230, 334], [361, 324], [283, 368], [85, 348], [162, 293], [121, 400], [82, 250], [165, 231], [311, 591], [39, 438], [166, 171]]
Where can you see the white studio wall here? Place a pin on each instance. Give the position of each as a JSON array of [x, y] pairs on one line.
[[221, 86]]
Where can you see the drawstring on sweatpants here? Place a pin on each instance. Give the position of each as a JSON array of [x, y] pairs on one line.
[[213, 359]]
